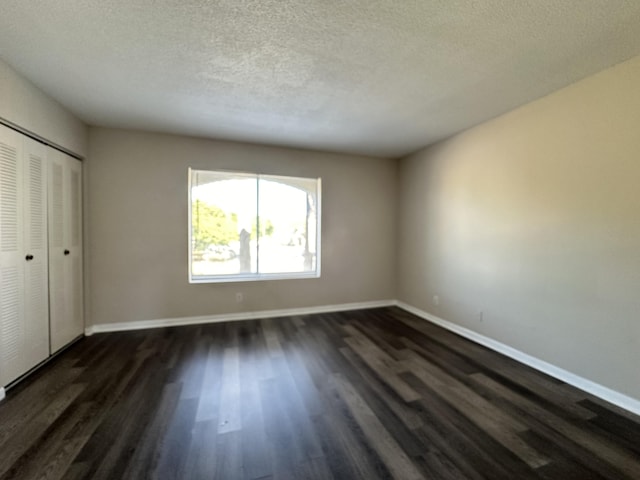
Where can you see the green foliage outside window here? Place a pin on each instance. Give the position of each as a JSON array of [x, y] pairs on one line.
[[212, 226], [266, 229]]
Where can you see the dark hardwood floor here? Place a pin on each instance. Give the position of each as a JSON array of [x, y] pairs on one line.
[[367, 394]]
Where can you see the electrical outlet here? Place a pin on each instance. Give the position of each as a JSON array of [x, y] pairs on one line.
[[436, 300], [239, 297]]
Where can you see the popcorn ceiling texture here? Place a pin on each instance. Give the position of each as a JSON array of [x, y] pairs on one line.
[[381, 78]]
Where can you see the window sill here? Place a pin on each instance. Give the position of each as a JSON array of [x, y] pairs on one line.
[[253, 278]]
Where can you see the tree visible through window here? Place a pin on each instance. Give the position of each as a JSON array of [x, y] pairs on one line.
[[250, 227]]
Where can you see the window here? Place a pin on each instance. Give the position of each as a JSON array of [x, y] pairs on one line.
[[245, 226]]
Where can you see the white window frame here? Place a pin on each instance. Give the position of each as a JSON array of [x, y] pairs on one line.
[[254, 277]]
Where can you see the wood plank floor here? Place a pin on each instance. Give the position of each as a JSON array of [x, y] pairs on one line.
[[370, 394]]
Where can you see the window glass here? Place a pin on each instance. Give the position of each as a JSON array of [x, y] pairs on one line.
[[251, 227]]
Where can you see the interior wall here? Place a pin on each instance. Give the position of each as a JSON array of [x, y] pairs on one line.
[[527, 229], [26, 106], [138, 227]]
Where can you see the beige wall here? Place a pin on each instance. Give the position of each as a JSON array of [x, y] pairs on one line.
[[533, 219], [24, 105], [137, 216]]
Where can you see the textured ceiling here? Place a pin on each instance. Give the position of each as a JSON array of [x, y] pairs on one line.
[[380, 78]]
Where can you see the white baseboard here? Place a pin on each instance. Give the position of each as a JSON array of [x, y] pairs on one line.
[[611, 396], [2, 394], [230, 317]]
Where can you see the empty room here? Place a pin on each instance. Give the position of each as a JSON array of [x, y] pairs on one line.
[[320, 240]]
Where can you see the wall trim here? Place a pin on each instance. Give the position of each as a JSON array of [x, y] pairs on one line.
[[232, 317], [2, 394], [612, 396]]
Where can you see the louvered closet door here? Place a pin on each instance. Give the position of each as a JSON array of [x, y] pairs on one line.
[[65, 249], [12, 327], [36, 281]]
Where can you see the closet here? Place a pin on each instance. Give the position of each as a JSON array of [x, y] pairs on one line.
[[40, 285]]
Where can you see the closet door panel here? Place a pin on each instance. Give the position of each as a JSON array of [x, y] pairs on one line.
[[56, 226], [75, 247], [58, 314], [65, 249], [12, 328], [36, 347]]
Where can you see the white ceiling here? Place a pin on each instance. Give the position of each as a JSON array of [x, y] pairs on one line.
[[381, 78]]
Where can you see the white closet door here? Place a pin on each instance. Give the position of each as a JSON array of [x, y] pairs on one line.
[[65, 249], [12, 326], [36, 282], [74, 259], [57, 301]]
